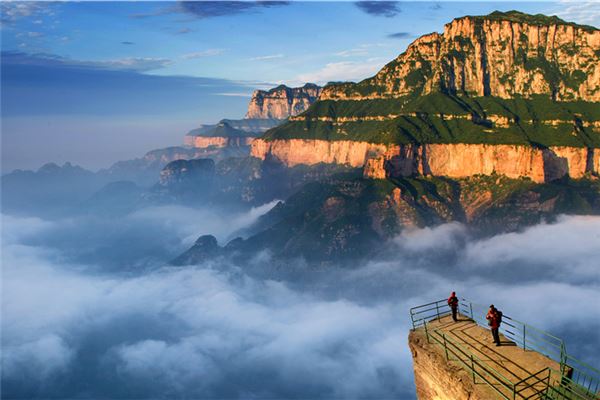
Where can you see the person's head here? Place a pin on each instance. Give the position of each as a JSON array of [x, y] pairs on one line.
[[492, 307], [453, 293]]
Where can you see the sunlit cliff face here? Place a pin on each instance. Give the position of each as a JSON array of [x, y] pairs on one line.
[[451, 160], [73, 328]]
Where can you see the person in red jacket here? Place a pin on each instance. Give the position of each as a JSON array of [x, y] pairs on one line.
[[494, 318], [453, 303]]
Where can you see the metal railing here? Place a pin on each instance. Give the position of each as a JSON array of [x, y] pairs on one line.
[[534, 385], [567, 389], [575, 378]]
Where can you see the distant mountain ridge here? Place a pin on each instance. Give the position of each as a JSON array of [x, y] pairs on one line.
[[282, 101], [266, 110]]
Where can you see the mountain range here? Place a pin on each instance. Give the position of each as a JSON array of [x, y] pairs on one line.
[[510, 93], [493, 123]]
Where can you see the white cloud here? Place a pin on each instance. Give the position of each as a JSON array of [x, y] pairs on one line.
[[140, 64], [353, 52], [41, 358], [14, 10], [444, 237], [342, 71], [583, 12], [359, 51], [268, 57], [217, 331], [203, 53], [234, 94], [572, 241]]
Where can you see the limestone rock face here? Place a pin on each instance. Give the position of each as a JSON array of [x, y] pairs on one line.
[[282, 102], [452, 160], [502, 55], [436, 379]]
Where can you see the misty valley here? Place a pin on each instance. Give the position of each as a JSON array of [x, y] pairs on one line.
[[279, 251]]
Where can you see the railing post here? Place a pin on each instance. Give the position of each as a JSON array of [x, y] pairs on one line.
[[445, 346], [437, 310], [471, 310], [524, 338], [563, 358]]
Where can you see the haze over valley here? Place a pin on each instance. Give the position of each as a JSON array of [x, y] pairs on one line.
[[185, 216]]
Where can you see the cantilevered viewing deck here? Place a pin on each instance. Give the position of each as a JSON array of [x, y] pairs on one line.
[[529, 363]]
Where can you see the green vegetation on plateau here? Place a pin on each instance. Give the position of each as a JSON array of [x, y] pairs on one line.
[[346, 216], [433, 119], [537, 19], [449, 114]]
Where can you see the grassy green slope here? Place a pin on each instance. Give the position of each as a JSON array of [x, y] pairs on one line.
[[419, 121]]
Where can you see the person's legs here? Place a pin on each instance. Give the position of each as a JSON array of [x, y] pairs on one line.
[[454, 313], [496, 336]]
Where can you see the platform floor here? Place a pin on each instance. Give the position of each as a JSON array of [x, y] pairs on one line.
[[511, 361]]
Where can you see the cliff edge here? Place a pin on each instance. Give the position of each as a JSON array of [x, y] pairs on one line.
[[453, 360], [489, 92], [282, 102]]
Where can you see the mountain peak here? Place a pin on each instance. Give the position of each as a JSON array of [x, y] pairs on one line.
[[527, 56], [282, 101], [524, 18]]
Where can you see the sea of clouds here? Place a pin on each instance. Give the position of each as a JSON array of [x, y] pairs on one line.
[[91, 308]]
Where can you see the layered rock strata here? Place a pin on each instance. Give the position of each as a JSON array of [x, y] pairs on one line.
[[451, 160], [282, 102], [501, 54]]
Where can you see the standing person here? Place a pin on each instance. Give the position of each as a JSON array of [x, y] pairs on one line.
[[453, 303], [493, 316]]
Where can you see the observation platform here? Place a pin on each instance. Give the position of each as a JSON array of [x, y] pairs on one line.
[[529, 363]]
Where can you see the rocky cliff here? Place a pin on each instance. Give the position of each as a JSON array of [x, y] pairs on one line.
[[436, 378], [509, 93], [460, 160], [282, 102], [344, 217], [501, 54], [266, 110]]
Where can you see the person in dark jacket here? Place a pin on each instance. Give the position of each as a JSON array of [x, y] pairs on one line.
[[453, 304], [494, 318]]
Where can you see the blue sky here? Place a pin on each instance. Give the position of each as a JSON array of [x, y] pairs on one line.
[[95, 82]]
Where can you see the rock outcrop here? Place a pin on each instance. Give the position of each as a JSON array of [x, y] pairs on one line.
[[266, 110], [505, 93], [436, 378], [342, 217], [282, 102], [451, 160], [501, 54]]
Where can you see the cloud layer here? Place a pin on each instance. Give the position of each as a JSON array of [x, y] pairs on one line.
[[224, 330]]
